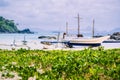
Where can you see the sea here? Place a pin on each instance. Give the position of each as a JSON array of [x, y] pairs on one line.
[[9, 39]]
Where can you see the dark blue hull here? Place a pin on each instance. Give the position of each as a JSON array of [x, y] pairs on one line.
[[111, 41], [84, 44]]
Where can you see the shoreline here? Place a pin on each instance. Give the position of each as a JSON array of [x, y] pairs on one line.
[[36, 45]]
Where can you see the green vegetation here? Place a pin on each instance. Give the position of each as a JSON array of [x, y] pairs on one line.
[[7, 26], [85, 64]]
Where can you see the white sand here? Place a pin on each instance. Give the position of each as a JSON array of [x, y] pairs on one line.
[[32, 45]]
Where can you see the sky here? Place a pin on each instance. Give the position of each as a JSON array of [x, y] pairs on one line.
[[52, 15]]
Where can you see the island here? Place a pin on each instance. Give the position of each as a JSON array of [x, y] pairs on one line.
[[8, 26]]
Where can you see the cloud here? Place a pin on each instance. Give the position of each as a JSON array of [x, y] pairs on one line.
[[52, 14]]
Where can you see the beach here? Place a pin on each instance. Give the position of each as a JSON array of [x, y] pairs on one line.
[[34, 45], [42, 60], [16, 41]]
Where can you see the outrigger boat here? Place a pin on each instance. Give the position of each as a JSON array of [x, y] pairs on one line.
[[80, 41], [94, 41]]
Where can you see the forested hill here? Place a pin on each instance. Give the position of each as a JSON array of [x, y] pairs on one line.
[[8, 26]]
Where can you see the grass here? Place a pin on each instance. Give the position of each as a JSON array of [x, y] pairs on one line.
[[61, 65]]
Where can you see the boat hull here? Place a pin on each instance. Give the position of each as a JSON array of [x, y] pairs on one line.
[[84, 44], [87, 42], [111, 41]]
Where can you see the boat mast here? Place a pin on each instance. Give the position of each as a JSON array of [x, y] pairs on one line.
[[93, 28], [79, 35], [78, 24], [66, 28]]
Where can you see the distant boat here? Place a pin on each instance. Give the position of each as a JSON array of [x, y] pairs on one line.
[[24, 41], [87, 41], [111, 41]]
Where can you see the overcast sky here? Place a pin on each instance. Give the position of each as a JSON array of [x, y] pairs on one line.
[[53, 14]]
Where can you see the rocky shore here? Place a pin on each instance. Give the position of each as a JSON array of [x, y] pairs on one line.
[[115, 36]]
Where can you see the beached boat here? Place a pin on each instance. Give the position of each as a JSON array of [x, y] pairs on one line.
[[87, 41], [94, 41], [80, 40]]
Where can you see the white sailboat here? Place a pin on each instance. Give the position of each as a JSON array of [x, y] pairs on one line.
[[94, 41], [79, 40]]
